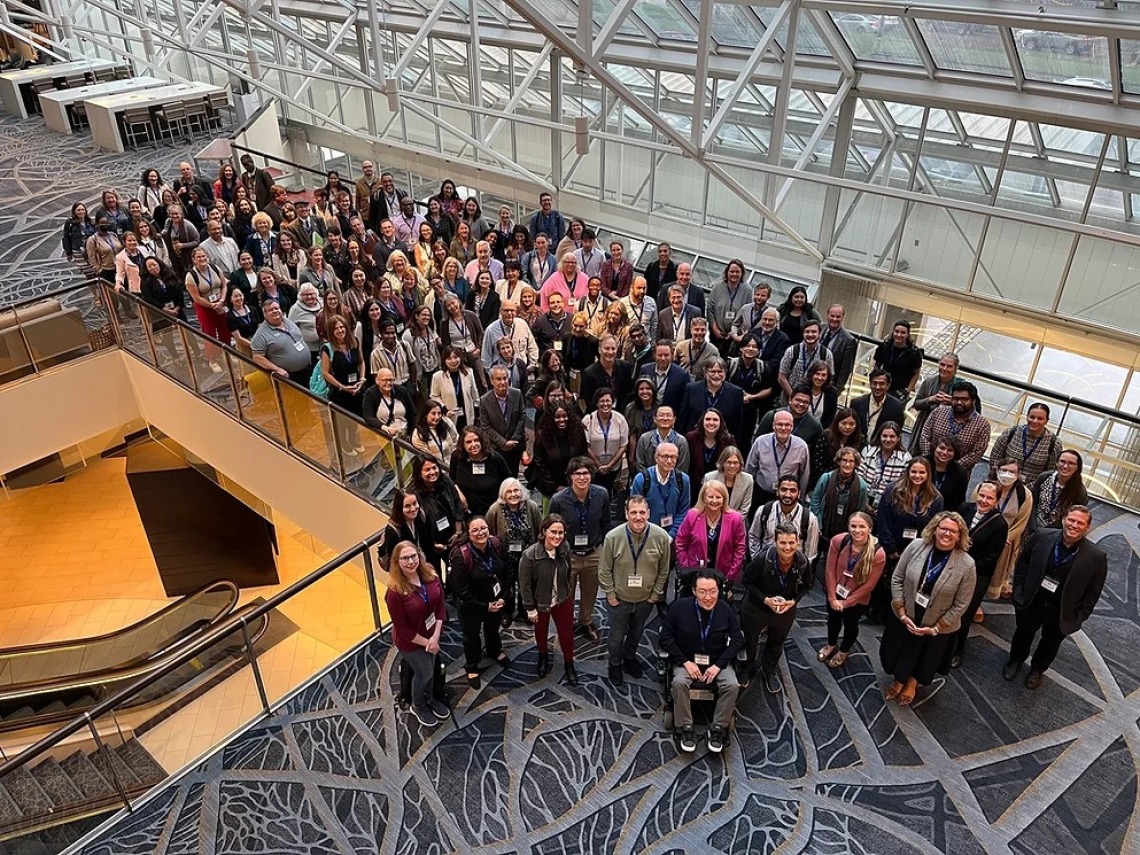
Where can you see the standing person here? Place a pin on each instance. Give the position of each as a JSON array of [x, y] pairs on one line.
[[1035, 448], [877, 408], [785, 509], [343, 368], [950, 478], [454, 387], [558, 439], [842, 345], [1016, 504], [632, 571], [730, 472], [702, 636], [933, 391], [279, 347], [882, 462], [387, 406], [855, 563], [713, 391], [207, 288], [661, 273], [547, 221], [182, 238], [416, 605], [547, 586], [988, 533], [514, 520], [839, 495], [502, 417], [706, 442], [585, 509], [101, 249], [959, 420], [695, 353], [1056, 586], [899, 356], [931, 588], [805, 426], [798, 361], [1055, 492], [843, 433], [665, 487], [409, 523], [795, 313], [712, 535], [727, 299], [258, 183], [482, 590], [76, 231], [442, 503], [608, 372], [775, 454], [751, 375], [774, 583], [477, 471], [669, 379], [674, 321], [824, 396], [607, 437], [748, 321]]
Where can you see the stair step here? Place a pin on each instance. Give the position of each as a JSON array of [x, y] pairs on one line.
[[82, 703], [56, 783], [126, 777], [145, 767], [22, 712], [83, 773], [54, 706], [9, 811], [27, 794]]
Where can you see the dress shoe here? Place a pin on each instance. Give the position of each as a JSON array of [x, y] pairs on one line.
[[591, 632], [1033, 679], [543, 664], [616, 675], [504, 661], [1010, 670], [956, 661], [772, 682], [473, 680], [634, 668], [571, 674]]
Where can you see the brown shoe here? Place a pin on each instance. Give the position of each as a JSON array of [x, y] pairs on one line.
[[591, 632]]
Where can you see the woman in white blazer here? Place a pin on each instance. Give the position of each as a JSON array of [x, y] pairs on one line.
[[454, 381]]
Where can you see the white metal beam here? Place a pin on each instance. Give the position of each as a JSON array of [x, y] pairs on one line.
[[612, 26], [701, 74], [421, 35], [813, 141]]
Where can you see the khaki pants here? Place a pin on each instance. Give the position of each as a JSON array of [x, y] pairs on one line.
[[584, 572]]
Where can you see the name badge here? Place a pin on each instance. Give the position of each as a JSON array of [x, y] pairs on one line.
[[841, 592], [299, 346], [575, 373], [666, 522], [635, 581], [514, 546], [701, 659], [352, 378], [581, 540], [429, 621], [840, 508], [479, 468], [399, 329], [1049, 584], [558, 344], [730, 316], [496, 589], [910, 533], [922, 599], [442, 524], [605, 457]]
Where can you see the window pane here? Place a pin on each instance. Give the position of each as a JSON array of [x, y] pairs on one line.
[[1069, 58], [879, 38], [965, 46], [1022, 263], [1102, 285]]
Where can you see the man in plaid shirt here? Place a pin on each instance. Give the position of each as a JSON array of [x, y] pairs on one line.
[[959, 419]]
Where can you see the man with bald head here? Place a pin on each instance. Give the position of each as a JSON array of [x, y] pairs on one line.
[[640, 308], [775, 454], [692, 293], [483, 261], [510, 325], [666, 488]]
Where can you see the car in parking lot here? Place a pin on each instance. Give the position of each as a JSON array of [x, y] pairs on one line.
[[855, 22], [1049, 40]]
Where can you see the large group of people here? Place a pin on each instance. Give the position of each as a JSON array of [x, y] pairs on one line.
[[677, 434]]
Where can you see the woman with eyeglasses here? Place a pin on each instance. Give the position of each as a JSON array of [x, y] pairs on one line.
[[730, 472], [483, 589], [1055, 492], [515, 520], [930, 591], [988, 534], [548, 593], [1015, 502], [418, 610]]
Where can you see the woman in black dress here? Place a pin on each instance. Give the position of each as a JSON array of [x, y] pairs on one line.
[[988, 533], [478, 472], [343, 368], [443, 504]]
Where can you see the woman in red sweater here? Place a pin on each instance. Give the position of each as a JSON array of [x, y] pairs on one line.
[[416, 605], [855, 564]]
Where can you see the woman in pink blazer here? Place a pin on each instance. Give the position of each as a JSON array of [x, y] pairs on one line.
[[712, 528]]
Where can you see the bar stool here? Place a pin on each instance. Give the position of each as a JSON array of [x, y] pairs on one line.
[[78, 115], [216, 102], [197, 114], [173, 121], [137, 125], [74, 81]]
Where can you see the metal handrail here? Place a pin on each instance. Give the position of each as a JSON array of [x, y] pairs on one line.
[[236, 623], [47, 295], [238, 147]]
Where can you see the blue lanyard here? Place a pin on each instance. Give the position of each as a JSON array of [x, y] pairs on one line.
[[665, 491], [711, 401], [940, 479], [955, 427], [804, 356], [636, 552], [702, 628], [780, 460], [423, 592], [1005, 504], [1057, 562], [1055, 496], [605, 429], [933, 571], [488, 565], [1025, 450]]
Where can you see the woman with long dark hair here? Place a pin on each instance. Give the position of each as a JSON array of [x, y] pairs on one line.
[[900, 357], [795, 312], [454, 386], [407, 522], [442, 502], [450, 201], [1055, 492], [367, 333], [843, 433], [824, 396], [76, 230], [950, 477], [483, 589], [639, 414], [882, 462], [477, 470], [706, 442], [839, 494], [558, 439], [434, 433], [751, 374]]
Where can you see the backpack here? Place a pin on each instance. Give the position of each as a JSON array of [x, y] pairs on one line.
[[317, 383], [805, 520]]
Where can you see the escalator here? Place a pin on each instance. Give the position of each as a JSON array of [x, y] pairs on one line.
[[48, 683]]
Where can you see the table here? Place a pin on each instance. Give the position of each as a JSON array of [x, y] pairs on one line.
[[102, 112], [12, 82], [55, 104]]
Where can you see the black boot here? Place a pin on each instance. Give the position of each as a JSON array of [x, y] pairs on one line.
[[543, 664], [571, 674]]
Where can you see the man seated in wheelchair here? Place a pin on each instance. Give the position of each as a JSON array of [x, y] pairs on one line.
[[701, 636]]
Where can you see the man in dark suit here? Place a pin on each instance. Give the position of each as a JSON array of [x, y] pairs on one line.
[[693, 295], [502, 417], [713, 391], [773, 341], [384, 202], [669, 378], [673, 321], [306, 228], [608, 372], [842, 345], [877, 407], [1056, 585]]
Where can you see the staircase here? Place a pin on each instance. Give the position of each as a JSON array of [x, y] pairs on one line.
[[81, 785], [55, 709]]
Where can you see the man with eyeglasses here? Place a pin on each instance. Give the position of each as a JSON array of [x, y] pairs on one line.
[[645, 453], [669, 378], [666, 488], [960, 420], [586, 508], [632, 573], [702, 636], [775, 454]]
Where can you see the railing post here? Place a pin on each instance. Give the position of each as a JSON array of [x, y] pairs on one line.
[[338, 459], [276, 385], [1064, 413], [257, 678], [144, 321], [370, 578], [107, 755], [107, 297], [194, 387]]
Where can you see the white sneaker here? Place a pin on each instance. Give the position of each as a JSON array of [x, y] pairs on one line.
[[217, 369], [350, 452]]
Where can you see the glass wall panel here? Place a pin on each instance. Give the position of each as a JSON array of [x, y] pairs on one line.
[[1104, 284], [679, 189], [1022, 263], [878, 38], [965, 46], [869, 226], [1069, 58], [665, 21], [939, 245]]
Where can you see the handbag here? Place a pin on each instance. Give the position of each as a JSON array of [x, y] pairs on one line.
[[317, 383]]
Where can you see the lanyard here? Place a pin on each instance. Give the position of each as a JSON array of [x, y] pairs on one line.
[[1025, 450], [817, 403], [583, 509], [776, 457], [488, 565], [423, 592], [665, 490], [597, 305], [542, 265], [636, 552], [1005, 503], [703, 628], [395, 360], [804, 356], [678, 323], [1057, 562], [933, 571], [955, 427], [391, 407], [605, 431], [852, 560], [712, 400], [732, 295], [693, 361], [940, 479]]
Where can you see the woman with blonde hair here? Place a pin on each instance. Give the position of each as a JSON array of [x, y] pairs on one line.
[[855, 563], [730, 472], [931, 589], [712, 534], [416, 605]]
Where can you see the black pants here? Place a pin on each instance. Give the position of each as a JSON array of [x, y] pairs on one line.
[[848, 619], [968, 618], [755, 620], [1042, 614], [881, 595], [474, 619]]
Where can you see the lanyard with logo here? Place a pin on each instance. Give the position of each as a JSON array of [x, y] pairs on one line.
[[703, 628], [933, 571], [1025, 450]]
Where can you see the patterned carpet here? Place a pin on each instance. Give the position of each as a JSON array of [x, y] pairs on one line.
[[977, 766]]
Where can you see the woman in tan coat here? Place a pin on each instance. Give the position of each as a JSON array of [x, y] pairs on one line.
[[1016, 505]]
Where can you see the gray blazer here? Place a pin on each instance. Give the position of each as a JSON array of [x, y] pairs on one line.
[[951, 594], [501, 430]]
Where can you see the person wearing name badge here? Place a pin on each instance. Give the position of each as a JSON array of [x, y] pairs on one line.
[[673, 321], [408, 522], [514, 520], [727, 299], [670, 380], [558, 439], [477, 471], [706, 441], [632, 572], [607, 437], [785, 509], [882, 462], [702, 635], [502, 418], [931, 588], [988, 531], [666, 488], [775, 454], [1016, 504], [730, 472], [712, 535], [482, 588], [1032, 445], [580, 350], [696, 352], [443, 504], [645, 452], [418, 610], [1055, 492], [1056, 585], [774, 583], [585, 509], [855, 563], [547, 585]]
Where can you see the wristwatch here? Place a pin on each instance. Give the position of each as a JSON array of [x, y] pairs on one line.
[[934, 630]]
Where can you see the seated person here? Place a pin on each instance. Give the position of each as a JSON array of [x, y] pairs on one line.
[[702, 636]]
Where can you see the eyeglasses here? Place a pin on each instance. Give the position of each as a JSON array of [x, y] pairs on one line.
[[944, 530], [415, 558], [706, 594]]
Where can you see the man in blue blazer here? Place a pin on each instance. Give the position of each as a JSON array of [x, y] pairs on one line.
[[694, 295], [669, 378], [713, 391]]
